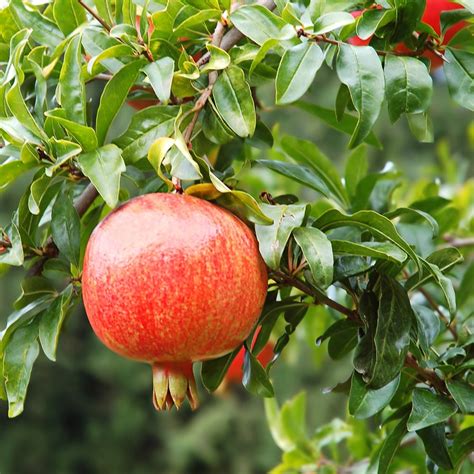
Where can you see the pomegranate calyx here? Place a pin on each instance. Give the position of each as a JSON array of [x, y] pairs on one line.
[[172, 384]]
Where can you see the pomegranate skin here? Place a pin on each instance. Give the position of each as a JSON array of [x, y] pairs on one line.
[[171, 278]]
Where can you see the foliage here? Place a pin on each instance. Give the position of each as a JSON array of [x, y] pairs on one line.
[[373, 255]]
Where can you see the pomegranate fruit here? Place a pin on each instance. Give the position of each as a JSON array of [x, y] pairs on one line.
[[171, 279]]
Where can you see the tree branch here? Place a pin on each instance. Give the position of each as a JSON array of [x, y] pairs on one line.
[[95, 15], [426, 375]]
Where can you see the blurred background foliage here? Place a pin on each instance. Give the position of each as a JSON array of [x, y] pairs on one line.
[[91, 412]]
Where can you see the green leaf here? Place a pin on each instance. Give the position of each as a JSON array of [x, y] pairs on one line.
[[69, 14], [233, 100], [299, 173], [365, 402], [293, 419], [13, 255], [463, 394], [356, 169], [273, 238], [16, 132], [463, 445], [117, 51], [260, 24], [96, 42], [377, 250], [421, 126], [346, 124], [428, 326], [255, 378], [85, 136], [32, 288], [71, 84], [297, 70], [145, 128], [317, 250], [199, 18], [218, 60], [332, 21], [20, 355], [66, 228], [306, 152], [459, 72], [51, 322], [44, 31], [415, 214], [342, 336], [434, 441], [372, 20], [11, 170], [160, 75], [384, 457], [113, 96], [359, 68], [376, 224], [105, 10], [213, 371], [18, 107], [429, 409], [104, 167], [409, 86]]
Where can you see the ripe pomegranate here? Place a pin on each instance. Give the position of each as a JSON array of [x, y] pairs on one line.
[[171, 279], [432, 17]]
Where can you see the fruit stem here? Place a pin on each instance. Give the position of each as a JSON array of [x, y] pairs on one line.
[[172, 383]]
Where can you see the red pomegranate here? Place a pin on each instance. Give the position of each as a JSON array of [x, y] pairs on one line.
[[171, 279], [432, 17]]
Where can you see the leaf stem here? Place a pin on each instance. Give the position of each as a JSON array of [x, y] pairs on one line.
[[95, 15]]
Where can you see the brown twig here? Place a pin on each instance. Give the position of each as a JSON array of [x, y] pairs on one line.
[[5, 243], [426, 375], [95, 15]]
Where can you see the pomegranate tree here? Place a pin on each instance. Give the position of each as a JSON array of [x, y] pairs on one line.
[[170, 280]]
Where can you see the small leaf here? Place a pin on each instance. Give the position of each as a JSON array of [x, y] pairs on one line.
[[104, 167], [13, 255], [317, 250], [113, 96], [463, 394], [297, 70], [409, 86], [234, 102], [20, 355], [66, 228], [273, 238], [429, 409], [359, 68], [160, 74], [219, 59], [365, 402], [51, 322], [157, 153], [255, 378]]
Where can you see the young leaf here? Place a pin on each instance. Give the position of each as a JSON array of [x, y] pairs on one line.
[[160, 75], [219, 59], [71, 83], [273, 238], [104, 167], [365, 402], [20, 355], [317, 250], [429, 409], [113, 96], [297, 70], [66, 228], [409, 86], [233, 100], [51, 322], [359, 68], [13, 255]]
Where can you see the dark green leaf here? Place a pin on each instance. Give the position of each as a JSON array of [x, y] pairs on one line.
[[429, 409], [66, 228], [297, 70], [365, 402], [160, 75], [113, 96], [463, 445], [428, 326], [460, 76], [213, 371], [360, 70], [463, 394], [377, 250], [255, 378], [32, 288]]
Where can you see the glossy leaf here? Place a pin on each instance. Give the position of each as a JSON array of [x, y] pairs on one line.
[[113, 96], [66, 228], [219, 59], [213, 371], [434, 440], [409, 86], [332, 21], [234, 102], [51, 322], [13, 255], [360, 70], [273, 238], [255, 379], [463, 394], [69, 14], [460, 76], [377, 250], [297, 70], [365, 402], [317, 250], [429, 409], [356, 169], [160, 75], [104, 167]]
